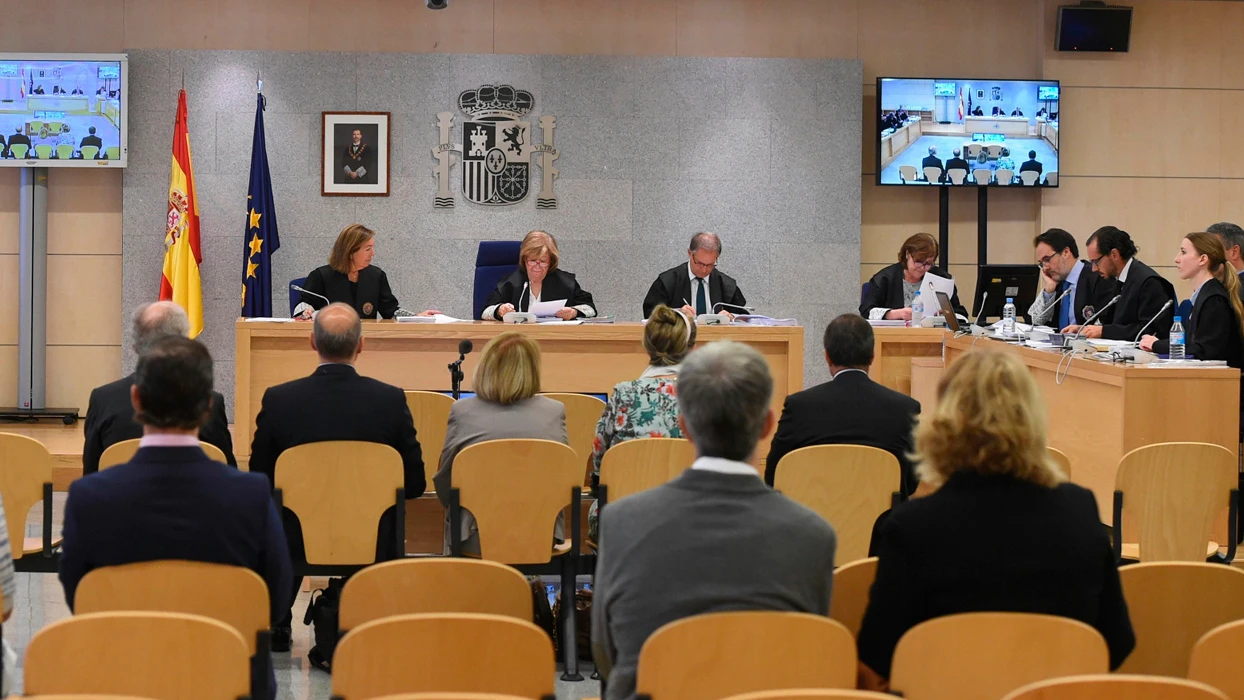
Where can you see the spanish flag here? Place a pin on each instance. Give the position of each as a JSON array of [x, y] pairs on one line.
[[182, 252]]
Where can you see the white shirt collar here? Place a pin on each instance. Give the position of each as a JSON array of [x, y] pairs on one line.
[[169, 441], [725, 466], [849, 369], [1123, 274], [655, 371]]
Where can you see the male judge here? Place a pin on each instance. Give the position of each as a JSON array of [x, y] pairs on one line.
[[358, 161], [1143, 292], [1058, 256], [1017, 112], [1032, 163], [39, 91], [1232, 237], [76, 91], [91, 140], [997, 112], [957, 162], [697, 287], [110, 413], [932, 161], [57, 90]]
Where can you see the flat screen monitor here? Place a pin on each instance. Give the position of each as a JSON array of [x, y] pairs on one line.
[[998, 282], [1104, 28], [943, 89], [63, 110], [987, 132]]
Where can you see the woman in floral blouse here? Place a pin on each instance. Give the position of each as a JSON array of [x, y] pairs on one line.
[[648, 406]]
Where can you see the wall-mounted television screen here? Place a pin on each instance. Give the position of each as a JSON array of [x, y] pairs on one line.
[[985, 133], [63, 110]]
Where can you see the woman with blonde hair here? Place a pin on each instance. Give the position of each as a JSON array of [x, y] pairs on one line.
[[1215, 328], [538, 278], [505, 406], [350, 278], [1004, 531]]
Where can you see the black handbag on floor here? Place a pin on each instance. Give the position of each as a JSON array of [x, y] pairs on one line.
[[322, 613]]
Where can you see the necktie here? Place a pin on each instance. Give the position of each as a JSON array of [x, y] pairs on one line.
[[701, 297], [1065, 306]]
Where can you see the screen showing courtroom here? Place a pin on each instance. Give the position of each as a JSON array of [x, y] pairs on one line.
[[62, 111]]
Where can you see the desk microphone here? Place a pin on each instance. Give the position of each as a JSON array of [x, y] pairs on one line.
[[1089, 321], [456, 376], [1161, 311], [520, 298], [305, 291], [980, 312], [734, 306]]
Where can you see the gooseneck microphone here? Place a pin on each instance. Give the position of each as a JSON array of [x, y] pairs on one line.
[[733, 306], [456, 376], [980, 312], [520, 298], [1089, 321], [307, 291], [1161, 311]]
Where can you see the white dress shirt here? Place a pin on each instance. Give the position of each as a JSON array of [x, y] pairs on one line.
[[725, 466], [169, 440], [708, 292]]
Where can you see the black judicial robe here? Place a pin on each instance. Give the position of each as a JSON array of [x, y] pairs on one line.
[[1212, 331], [885, 290], [674, 285], [1144, 292], [372, 295], [558, 284]]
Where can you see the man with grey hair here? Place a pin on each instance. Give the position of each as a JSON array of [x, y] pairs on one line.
[[714, 539], [109, 413], [932, 161], [1232, 237], [697, 287], [335, 403]]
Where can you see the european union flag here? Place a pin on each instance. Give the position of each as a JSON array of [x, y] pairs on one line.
[[261, 236]]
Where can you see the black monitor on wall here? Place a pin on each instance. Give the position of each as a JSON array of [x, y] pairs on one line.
[[1093, 27]]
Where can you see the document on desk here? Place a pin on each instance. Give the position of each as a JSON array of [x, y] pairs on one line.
[[436, 318], [547, 308], [270, 319], [931, 284], [559, 322], [886, 323]]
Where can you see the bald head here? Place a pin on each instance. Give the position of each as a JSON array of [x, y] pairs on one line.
[[338, 334], [158, 320]]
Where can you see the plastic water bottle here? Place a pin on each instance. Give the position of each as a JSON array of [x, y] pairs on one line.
[[917, 309], [1177, 340], [1008, 318]]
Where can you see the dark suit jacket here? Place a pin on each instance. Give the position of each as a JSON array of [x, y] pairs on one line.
[[1030, 165], [885, 290], [1144, 292], [1092, 290], [558, 284], [931, 161], [674, 285], [978, 112], [958, 163], [373, 297], [850, 410], [110, 419], [1212, 331], [16, 139], [1017, 113], [76, 91], [994, 543], [997, 112], [90, 140]]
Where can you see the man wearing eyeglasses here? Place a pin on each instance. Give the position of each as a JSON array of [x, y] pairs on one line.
[[1058, 256], [1113, 254], [698, 286]]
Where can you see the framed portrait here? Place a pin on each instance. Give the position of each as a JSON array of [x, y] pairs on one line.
[[354, 157]]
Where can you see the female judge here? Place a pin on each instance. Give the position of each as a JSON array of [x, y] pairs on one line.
[[350, 278], [538, 279], [891, 291]]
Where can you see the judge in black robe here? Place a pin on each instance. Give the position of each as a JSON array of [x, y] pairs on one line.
[[538, 278], [674, 289]]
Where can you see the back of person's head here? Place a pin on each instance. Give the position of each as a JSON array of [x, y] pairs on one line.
[[1006, 152], [1032, 155], [706, 241], [849, 341], [91, 130], [174, 384], [668, 336], [920, 246], [724, 390], [988, 419], [338, 333], [1058, 239], [158, 320], [1110, 238], [1231, 234], [932, 150], [982, 157], [508, 369], [955, 152]]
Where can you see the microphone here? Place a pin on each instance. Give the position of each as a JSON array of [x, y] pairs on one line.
[[520, 298], [1161, 311], [455, 368], [465, 347], [307, 291], [1089, 321], [980, 313], [733, 306]]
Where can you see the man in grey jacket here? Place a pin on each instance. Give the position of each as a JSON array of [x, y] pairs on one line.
[[715, 539]]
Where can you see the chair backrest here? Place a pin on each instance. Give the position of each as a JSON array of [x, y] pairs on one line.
[[907, 173], [1173, 491], [1051, 178], [442, 585], [982, 176], [1184, 309], [1004, 176], [53, 128], [449, 696], [64, 151], [1216, 659], [994, 149], [124, 451], [113, 153], [957, 175], [339, 489], [1171, 606], [19, 150], [295, 296], [233, 595], [146, 654], [494, 261], [463, 652], [1061, 458], [44, 150], [986, 655], [582, 414], [25, 466], [974, 149], [516, 489], [848, 485], [35, 126], [89, 152], [747, 651], [638, 465], [813, 694], [430, 410], [932, 174], [864, 288], [853, 584], [1029, 177], [1116, 686]]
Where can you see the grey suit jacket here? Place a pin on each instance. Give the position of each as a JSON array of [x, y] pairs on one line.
[[475, 420]]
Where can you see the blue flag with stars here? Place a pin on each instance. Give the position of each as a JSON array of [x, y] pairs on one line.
[[261, 236]]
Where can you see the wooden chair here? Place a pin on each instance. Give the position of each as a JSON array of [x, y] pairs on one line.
[[451, 696], [746, 652], [1174, 491], [430, 410], [1029, 177], [1051, 178], [985, 173], [64, 151], [932, 174], [907, 173], [339, 489], [813, 694], [1117, 687], [853, 583], [124, 451], [1004, 176], [582, 414], [972, 150], [233, 595], [434, 586], [1172, 605], [994, 150], [638, 465], [19, 151], [459, 652], [1216, 659], [146, 654], [1061, 458], [983, 656], [89, 152], [957, 175], [26, 480], [848, 485]]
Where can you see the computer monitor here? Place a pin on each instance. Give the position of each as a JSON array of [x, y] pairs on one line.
[[1019, 282]]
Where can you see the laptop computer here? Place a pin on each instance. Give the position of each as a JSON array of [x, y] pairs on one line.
[[948, 312]]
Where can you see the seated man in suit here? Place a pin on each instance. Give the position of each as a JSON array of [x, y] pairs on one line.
[[978, 112], [91, 140], [1142, 292], [171, 501], [723, 540], [76, 91], [1032, 163], [57, 90], [697, 287], [932, 161], [335, 403], [957, 162], [1017, 112], [17, 138], [1233, 241], [1058, 256], [850, 409], [997, 112], [110, 414]]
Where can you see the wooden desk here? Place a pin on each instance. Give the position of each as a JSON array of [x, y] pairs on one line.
[[589, 358], [1102, 411], [896, 142], [893, 348], [1011, 126]]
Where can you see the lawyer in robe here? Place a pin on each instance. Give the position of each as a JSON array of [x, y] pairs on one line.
[[697, 286], [538, 278], [350, 278], [890, 292], [1143, 293]]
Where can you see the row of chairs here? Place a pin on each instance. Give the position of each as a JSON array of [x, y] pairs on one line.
[[981, 176], [64, 151]]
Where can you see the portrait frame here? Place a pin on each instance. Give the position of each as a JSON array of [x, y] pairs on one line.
[[339, 157]]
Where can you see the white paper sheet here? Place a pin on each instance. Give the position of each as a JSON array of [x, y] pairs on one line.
[[929, 286], [547, 308]]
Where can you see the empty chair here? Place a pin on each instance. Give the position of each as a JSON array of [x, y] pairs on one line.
[[1117, 687], [34, 127], [64, 151], [932, 175], [982, 176], [414, 586], [113, 153], [459, 652], [973, 149], [747, 651], [957, 175], [53, 128], [1216, 659], [122, 452], [852, 582], [1172, 605], [813, 694], [430, 410], [1004, 176], [638, 465], [25, 480], [907, 173], [994, 150], [1029, 177], [582, 414], [1060, 458], [986, 655], [89, 152], [848, 485], [1051, 178]]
